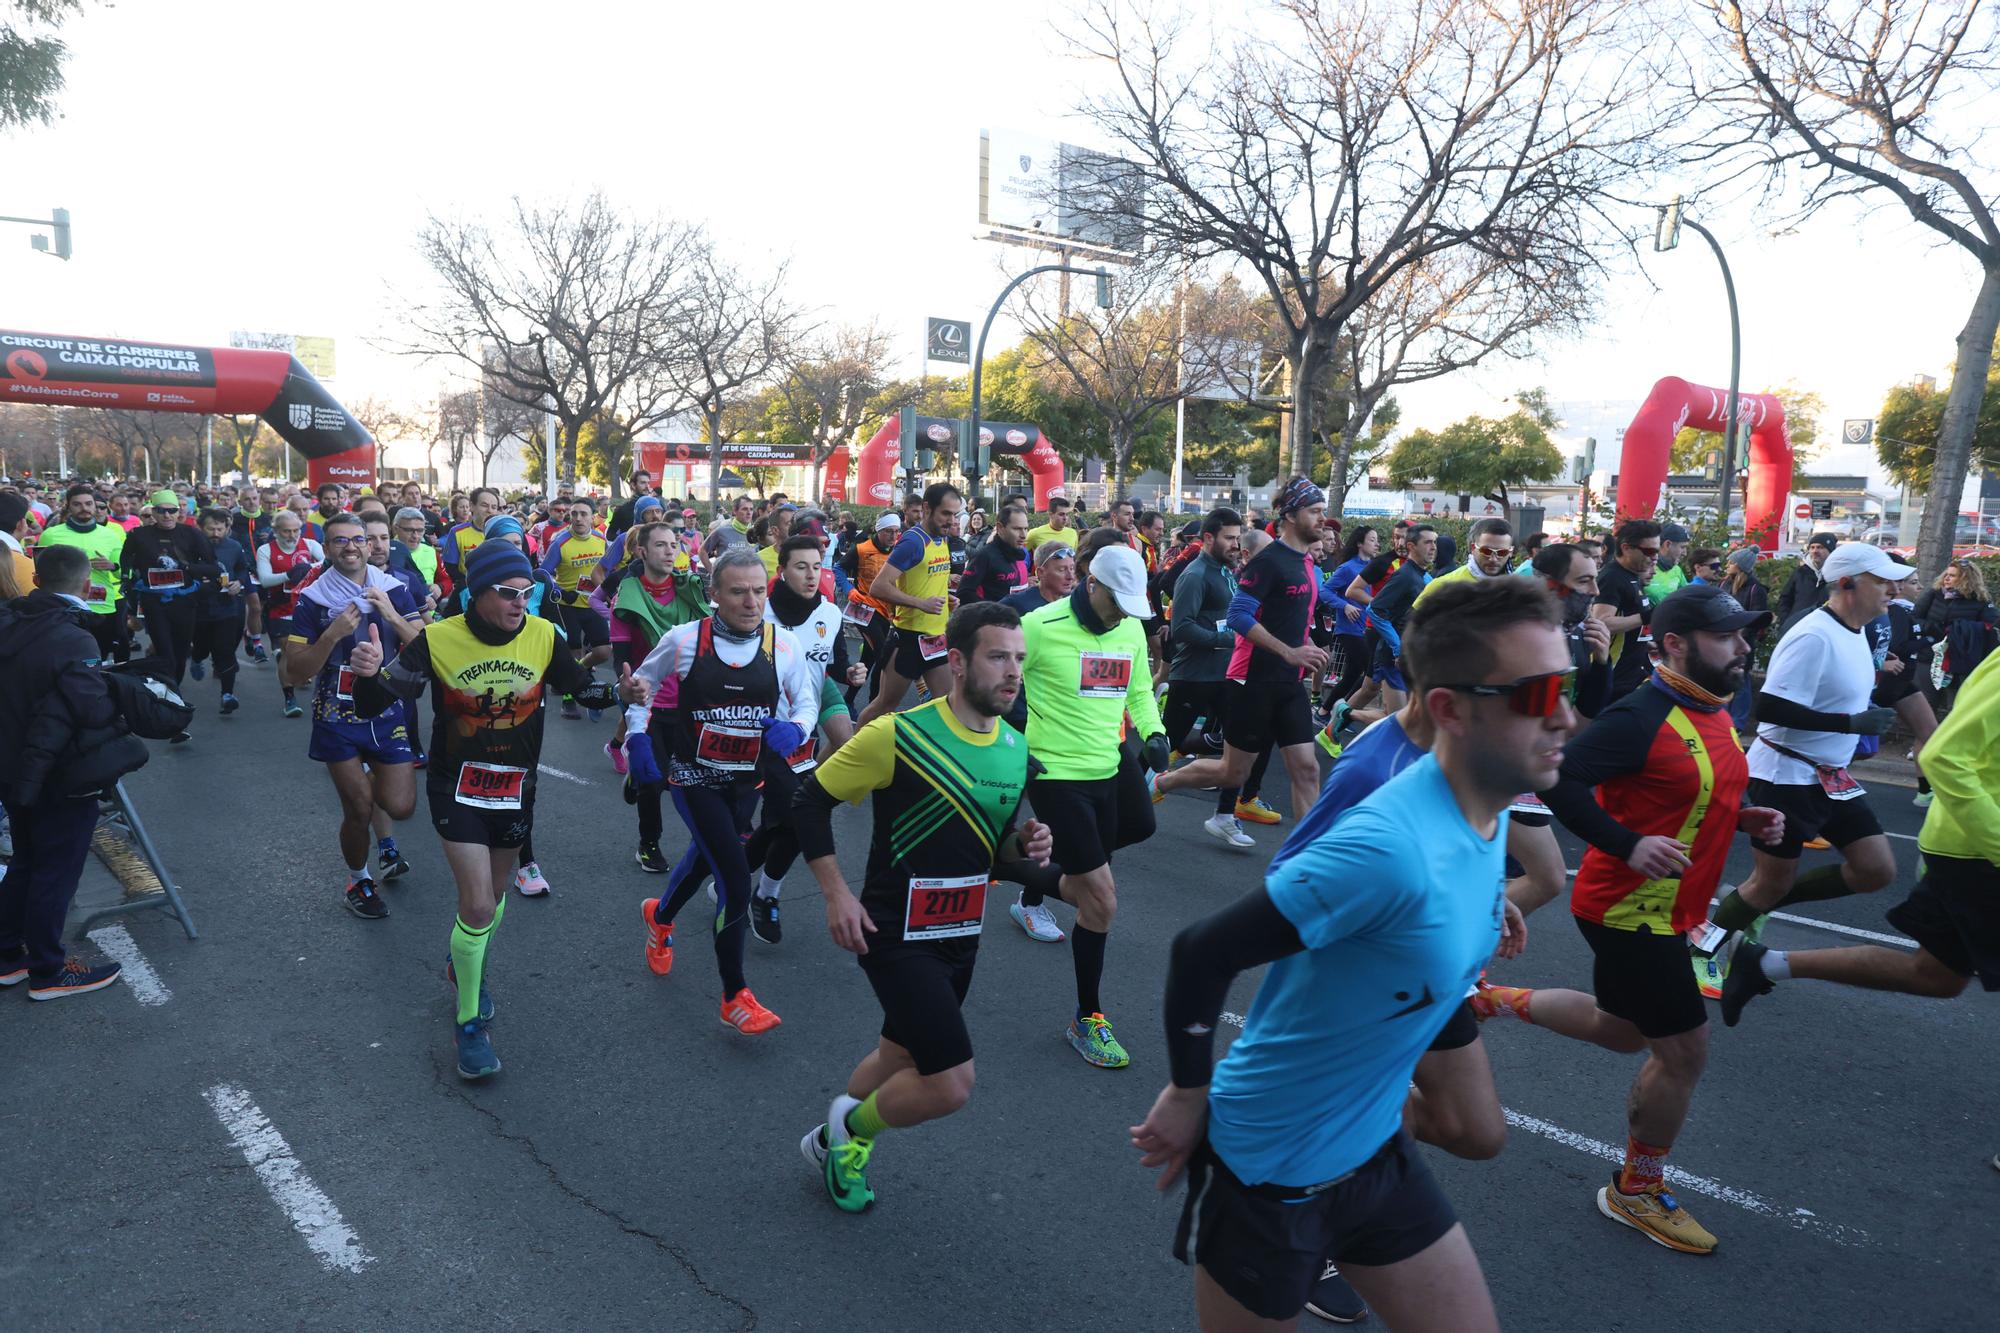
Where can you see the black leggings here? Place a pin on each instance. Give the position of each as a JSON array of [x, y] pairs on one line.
[[775, 844], [874, 654], [170, 625], [717, 819], [215, 641], [1189, 700], [113, 643], [1357, 653]]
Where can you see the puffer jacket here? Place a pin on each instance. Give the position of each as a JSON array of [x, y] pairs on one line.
[[53, 701]]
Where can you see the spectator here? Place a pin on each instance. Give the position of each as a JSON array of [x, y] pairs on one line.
[[1706, 562], [1957, 617], [1806, 590], [621, 517], [17, 572]]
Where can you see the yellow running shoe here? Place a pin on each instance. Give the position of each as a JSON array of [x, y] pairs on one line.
[[1256, 811], [1657, 1215]]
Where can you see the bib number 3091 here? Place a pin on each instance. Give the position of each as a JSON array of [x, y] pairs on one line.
[[491, 786], [942, 909]]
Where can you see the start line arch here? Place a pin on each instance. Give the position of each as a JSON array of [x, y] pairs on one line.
[[64, 371], [875, 470], [1674, 403]]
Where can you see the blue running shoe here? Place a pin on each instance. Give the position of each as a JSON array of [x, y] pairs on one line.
[[475, 1052], [199, 670], [485, 1000]]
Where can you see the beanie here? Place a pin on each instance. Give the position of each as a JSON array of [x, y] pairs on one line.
[[490, 563]]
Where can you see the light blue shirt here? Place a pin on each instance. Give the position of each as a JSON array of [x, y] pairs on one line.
[[1399, 907], [1369, 761]]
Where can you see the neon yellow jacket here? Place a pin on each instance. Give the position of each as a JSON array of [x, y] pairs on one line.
[[1962, 761], [1076, 711]]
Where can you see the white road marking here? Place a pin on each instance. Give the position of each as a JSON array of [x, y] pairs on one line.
[[566, 777], [312, 1214], [133, 969], [1802, 1218], [1906, 837], [1855, 931]]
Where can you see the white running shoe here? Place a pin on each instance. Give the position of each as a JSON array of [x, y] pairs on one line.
[[528, 879], [1038, 921], [1224, 828]]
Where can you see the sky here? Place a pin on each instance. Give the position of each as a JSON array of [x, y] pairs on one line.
[[267, 166]]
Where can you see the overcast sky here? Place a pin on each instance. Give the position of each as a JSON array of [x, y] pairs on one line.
[[265, 166]]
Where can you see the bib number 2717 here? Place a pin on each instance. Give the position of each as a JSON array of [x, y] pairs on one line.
[[942, 909]]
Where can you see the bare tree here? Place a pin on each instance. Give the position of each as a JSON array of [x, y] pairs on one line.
[[827, 384], [456, 427], [733, 331], [1882, 100], [1335, 145], [568, 305], [388, 422]]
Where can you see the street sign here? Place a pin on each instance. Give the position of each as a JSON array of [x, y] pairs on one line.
[[949, 340], [1857, 430], [1802, 510]]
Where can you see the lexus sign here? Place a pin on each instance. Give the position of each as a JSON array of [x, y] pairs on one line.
[[949, 340]]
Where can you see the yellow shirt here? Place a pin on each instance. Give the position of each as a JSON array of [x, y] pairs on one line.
[[1045, 533], [930, 576], [1962, 762]]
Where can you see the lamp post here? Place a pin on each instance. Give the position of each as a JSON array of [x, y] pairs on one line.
[[1666, 236], [979, 352]]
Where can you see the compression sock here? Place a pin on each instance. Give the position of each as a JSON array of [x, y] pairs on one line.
[[468, 963], [865, 1121], [768, 887], [1817, 885], [1086, 951], [1038, 882], [1734, 912], [1504, 1002], [1923, 784], [499, 909], [1776, 965], [1645, 1165], [1226, 798]]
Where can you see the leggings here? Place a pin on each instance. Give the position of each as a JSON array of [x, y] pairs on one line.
[[874, 654], [170, 625], [716, 819], [108, 628], [775, 844], [1358, 650], [216, 641]]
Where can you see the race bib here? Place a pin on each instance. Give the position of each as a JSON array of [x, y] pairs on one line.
[[343, 685], [942, 909], [1527, 803], [732, 749], [931, 646], [805, 758], [858, 613], [1103, 675], [1839, 784], [166, 578], [491, 786], [97, 592]]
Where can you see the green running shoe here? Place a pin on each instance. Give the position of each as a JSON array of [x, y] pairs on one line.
[[846, 1160], [1710, 971], [1092, 1038]]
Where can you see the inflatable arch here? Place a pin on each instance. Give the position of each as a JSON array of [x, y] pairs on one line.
[[880, 458], [164, 377], [1674, 403]]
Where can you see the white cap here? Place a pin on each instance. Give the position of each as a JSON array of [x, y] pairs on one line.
[[889, 520], [1121, 572], [1851, 558]]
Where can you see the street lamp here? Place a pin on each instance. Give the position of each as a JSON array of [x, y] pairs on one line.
[[971, 442], [1666, 235], [57, 243]]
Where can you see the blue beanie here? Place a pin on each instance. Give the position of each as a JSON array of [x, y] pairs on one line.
[[646, 502], [492, 562], [502, 524]]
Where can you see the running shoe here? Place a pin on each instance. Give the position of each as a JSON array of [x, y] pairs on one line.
[[292, 708], [650, 858], [392, 865], [180, 738], [843, 1159], [230, 704], [1256, 811], [1332, 747], [1091, 1036], [1225, 829], [76, 978], [742, 1012], [363, 901], [617, 757], [570, 712], [659, 940], [1656, 1214], [14, 968], [421, 762], [475, 1052], [1711, 972], [1337, 719], [1745, 980], [258, 655], [1333, 1300], [1816, 844], [199, 670], [1922, 800], [485, 1000], [764, 919], [530, 881], [1038, 921], [1153, 788]]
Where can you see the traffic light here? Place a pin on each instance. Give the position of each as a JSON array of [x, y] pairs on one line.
[[906, 431], [1103, 288], [61, 248]]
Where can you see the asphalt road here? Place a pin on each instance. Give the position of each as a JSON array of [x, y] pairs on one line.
[[637, 1164]]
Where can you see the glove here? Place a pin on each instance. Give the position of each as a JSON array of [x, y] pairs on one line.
[[297, 573], [645, 769], [782, 735], [1871, 722], [1158, 754]]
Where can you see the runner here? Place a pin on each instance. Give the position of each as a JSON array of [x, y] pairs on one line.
[[572, 561], [1297, 1155], [1271, 658], [1394, 583], [735, 697], [915, 583], [1085, 672], [947, 778], [1354, 644], [870, 618], [486, 671], [250, 525], [164, 563], [283, 563], [1057, 529], [661, 593], [463, 538], [220, 608], [1669, 779], [1627, 610], [366, 754], [1055, 577], [999, 567]]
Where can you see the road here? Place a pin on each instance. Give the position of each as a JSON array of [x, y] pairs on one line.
[[279, 1136]]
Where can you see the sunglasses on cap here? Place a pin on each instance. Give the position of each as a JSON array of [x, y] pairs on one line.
[[1530, 696], [512, 594]]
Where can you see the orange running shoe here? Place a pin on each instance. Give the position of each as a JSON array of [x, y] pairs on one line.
[[659, 941], [742, 1012]]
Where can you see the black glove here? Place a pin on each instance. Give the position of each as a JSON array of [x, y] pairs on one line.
[[297, 573], [1871, 722], [1156, 752]]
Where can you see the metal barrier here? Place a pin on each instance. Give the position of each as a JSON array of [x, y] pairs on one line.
[[116, 815]]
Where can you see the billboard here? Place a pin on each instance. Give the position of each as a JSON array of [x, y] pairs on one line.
[[656, 454], [1035, 185], [948, 340]]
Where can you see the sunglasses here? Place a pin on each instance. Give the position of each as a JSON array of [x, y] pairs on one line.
[[517, 596], [1491, 551], [166, 509], [1530, 696]]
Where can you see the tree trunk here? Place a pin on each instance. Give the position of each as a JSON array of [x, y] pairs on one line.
[[711, 415], [1304, 366], [1121, 458], [1958, 428]]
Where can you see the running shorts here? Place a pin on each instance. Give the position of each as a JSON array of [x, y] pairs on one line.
[[1954, 913], [907, 653], [457, 822], [1810, 813], [1385, 669], [378, 741], [1266, 1245], [921, 985], [831, 702], [583, 627], [1644, 979], [1084, 813], [1892, 690], [1460, 1030], [1264, 713]]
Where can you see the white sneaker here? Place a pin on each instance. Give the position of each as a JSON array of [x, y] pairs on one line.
[[1038, 921], [528, 879], [1225, 829]]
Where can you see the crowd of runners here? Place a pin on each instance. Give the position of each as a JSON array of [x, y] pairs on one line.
[[1013, 701]]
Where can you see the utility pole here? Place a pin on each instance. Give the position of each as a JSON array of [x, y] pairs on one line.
[[1666, 236]]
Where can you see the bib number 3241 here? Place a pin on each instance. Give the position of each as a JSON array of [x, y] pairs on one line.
[[1103, 675], [491, 786], [942, 909]]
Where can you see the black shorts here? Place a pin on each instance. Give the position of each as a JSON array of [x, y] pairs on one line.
[[1892, 690], [583, 627], [1644, 979], [1954, 913], [458, 822], [1460, 1030], [921, 985], [1810, 813], [1089, 819], [1264, 713], [1266, 1245], [907, 654]]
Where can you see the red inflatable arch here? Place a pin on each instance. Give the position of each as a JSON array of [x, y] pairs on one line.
[[1674, 403], [166, 377], [875, 474]]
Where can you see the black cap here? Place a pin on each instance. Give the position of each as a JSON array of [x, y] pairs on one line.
[[1674, 532], [1704, 606]]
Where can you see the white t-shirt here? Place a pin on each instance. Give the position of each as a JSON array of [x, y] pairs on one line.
[[1827, 667]]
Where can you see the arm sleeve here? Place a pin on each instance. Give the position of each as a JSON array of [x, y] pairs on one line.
[[575, 680], [403, 677], [1375, 570], [1206, 957], [550, 562], [265, 577], [1611, 747], [799, 691], [1782, 712], [1243, 610]]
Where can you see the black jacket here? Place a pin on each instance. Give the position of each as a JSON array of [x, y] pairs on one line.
[[1804, 591], [53, 701]]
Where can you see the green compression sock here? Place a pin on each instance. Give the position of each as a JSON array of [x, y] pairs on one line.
[[468, 963], [865, 1121], [1734, 912], [1817, 886], [499, 907]]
